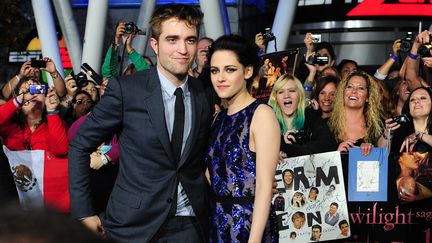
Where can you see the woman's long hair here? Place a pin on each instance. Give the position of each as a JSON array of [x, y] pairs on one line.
[[406, 108], [299, 114], [20, 118], [373, 110]]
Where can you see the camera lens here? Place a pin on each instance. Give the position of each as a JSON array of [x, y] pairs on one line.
[[131, 28], [405, 46]]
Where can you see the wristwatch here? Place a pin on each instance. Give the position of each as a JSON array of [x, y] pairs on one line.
[[104, 159]]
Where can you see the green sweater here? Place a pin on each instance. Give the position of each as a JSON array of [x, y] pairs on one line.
[[110, 64]]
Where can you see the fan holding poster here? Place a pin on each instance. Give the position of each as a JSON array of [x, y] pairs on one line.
[[412, 137], [311, 204]]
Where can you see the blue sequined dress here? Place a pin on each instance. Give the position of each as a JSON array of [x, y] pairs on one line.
[[233, 174]]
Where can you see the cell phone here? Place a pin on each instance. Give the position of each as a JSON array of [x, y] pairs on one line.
[[316, 38], [90, 72], [38, 64], [37, 89]]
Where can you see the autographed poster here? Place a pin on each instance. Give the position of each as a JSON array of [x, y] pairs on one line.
[[367, 177], [311, 204]]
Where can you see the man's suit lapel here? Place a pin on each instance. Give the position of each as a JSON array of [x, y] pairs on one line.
[[157, 115], [195, 126]]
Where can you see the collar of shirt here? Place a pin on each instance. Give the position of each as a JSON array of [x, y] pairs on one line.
[[169, 87]]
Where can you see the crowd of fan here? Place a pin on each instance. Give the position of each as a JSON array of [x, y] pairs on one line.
[[347, 108]]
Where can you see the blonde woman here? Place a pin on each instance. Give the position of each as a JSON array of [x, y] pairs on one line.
[[357, 116], [303, 130]]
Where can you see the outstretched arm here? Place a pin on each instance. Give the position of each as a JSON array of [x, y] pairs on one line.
[[412, 62]]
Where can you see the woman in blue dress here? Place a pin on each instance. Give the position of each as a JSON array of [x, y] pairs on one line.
[[243, 149]]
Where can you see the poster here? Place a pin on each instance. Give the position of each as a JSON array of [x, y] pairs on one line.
[[311, 204], [272, 66], [413, 176], [367, 180], [391, 220]]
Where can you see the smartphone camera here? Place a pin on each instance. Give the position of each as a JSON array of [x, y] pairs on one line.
[[37, 89], [38, 64]]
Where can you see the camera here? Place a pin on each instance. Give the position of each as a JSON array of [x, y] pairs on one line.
[[80, 79], [90, 72], [268, 35], [38, 64], [37, 89], [425, 50], [302, 136], [320, 60], [131, 28], [406, 43], [316, 38], [401, 119], [309, 102]]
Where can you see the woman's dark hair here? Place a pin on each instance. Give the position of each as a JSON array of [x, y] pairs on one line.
[[98, 96], [16, 91], [84, 93], [406, 109], [394, 93], [245, 50], [328, 46], [287, 171], [19, 116], [322, 82], [345, 61]]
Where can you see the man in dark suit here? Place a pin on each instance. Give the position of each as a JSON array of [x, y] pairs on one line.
[[160, 194]]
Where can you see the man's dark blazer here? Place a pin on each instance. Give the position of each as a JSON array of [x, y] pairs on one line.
[[148, 174]]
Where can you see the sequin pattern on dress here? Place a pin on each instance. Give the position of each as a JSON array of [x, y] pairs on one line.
[[232, 171]]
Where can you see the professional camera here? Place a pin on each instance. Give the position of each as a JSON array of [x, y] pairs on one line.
[[37, 89], [425, 50], [406, 43], [80, 79], [131, 28], [320, 60], [401, 119], [268, 35], [302, 136]]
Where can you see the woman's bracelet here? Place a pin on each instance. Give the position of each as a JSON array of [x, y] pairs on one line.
[[413, 56], [393, 56], [387, 138], [18, 102], [390, 134], [54, 75]]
